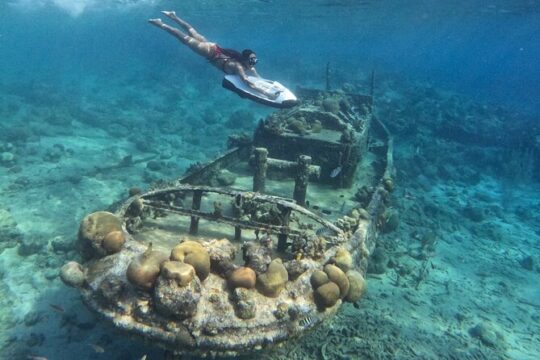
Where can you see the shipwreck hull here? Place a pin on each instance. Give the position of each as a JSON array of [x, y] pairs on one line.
[[223, 270]]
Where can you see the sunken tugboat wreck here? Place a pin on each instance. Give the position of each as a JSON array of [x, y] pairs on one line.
[[200, 266]]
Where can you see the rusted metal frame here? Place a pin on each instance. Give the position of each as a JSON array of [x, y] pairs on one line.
[[310, 139], [389, 170], [223, 219], [195, 206], [376, 203], [183, 188], [285, 165], [301, 180], [238, 212], [284, 232], [336, 239], [261, 165], [220, 162], [282, 237]]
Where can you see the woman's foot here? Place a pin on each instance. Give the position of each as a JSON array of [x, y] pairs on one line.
[[156, 22], [170, 14]]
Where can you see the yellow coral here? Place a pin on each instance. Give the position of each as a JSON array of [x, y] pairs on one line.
[[273, 280], [243, 277], [193, 253], [114, 241], [343, 259], [144, 269], [357, 286], [93, 230], [337, 276], [318, 278], [327, 295], [181, 272]]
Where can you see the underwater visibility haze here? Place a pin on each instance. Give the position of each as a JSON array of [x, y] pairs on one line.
[[97, 105]]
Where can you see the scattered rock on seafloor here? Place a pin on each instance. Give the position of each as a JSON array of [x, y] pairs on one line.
[[62, 245], [527, 263], [35, 339], [474, 213], [378, 261], [150, 177], [6, 147], [7, 158], [483, 332], [54, 154], [9, 233], [153, 165], [390, 221], [50, 274], [31, 245], [32, 318]]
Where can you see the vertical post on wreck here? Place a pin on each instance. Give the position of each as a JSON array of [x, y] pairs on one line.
[[196, 205], [302, 178], [259, 178], [237, 212], [372, 85], [282, 237], [328, 76]]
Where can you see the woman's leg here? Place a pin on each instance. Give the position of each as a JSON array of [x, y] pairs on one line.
[[192, 32], [202, 48], [171, 30]]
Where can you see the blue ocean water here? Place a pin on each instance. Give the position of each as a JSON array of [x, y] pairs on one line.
[[485, 49], [85, 83]]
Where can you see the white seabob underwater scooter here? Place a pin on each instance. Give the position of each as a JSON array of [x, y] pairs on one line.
[[284, 99]]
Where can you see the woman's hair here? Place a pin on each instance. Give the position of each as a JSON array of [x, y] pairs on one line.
[[236, 55], [246, 53]]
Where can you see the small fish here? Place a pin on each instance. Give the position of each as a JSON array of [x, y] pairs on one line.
[[409, 196], [324, 231], [143, 357], [307, 321], [57, 308], [336, 172], [35, 357], [98, 349]]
